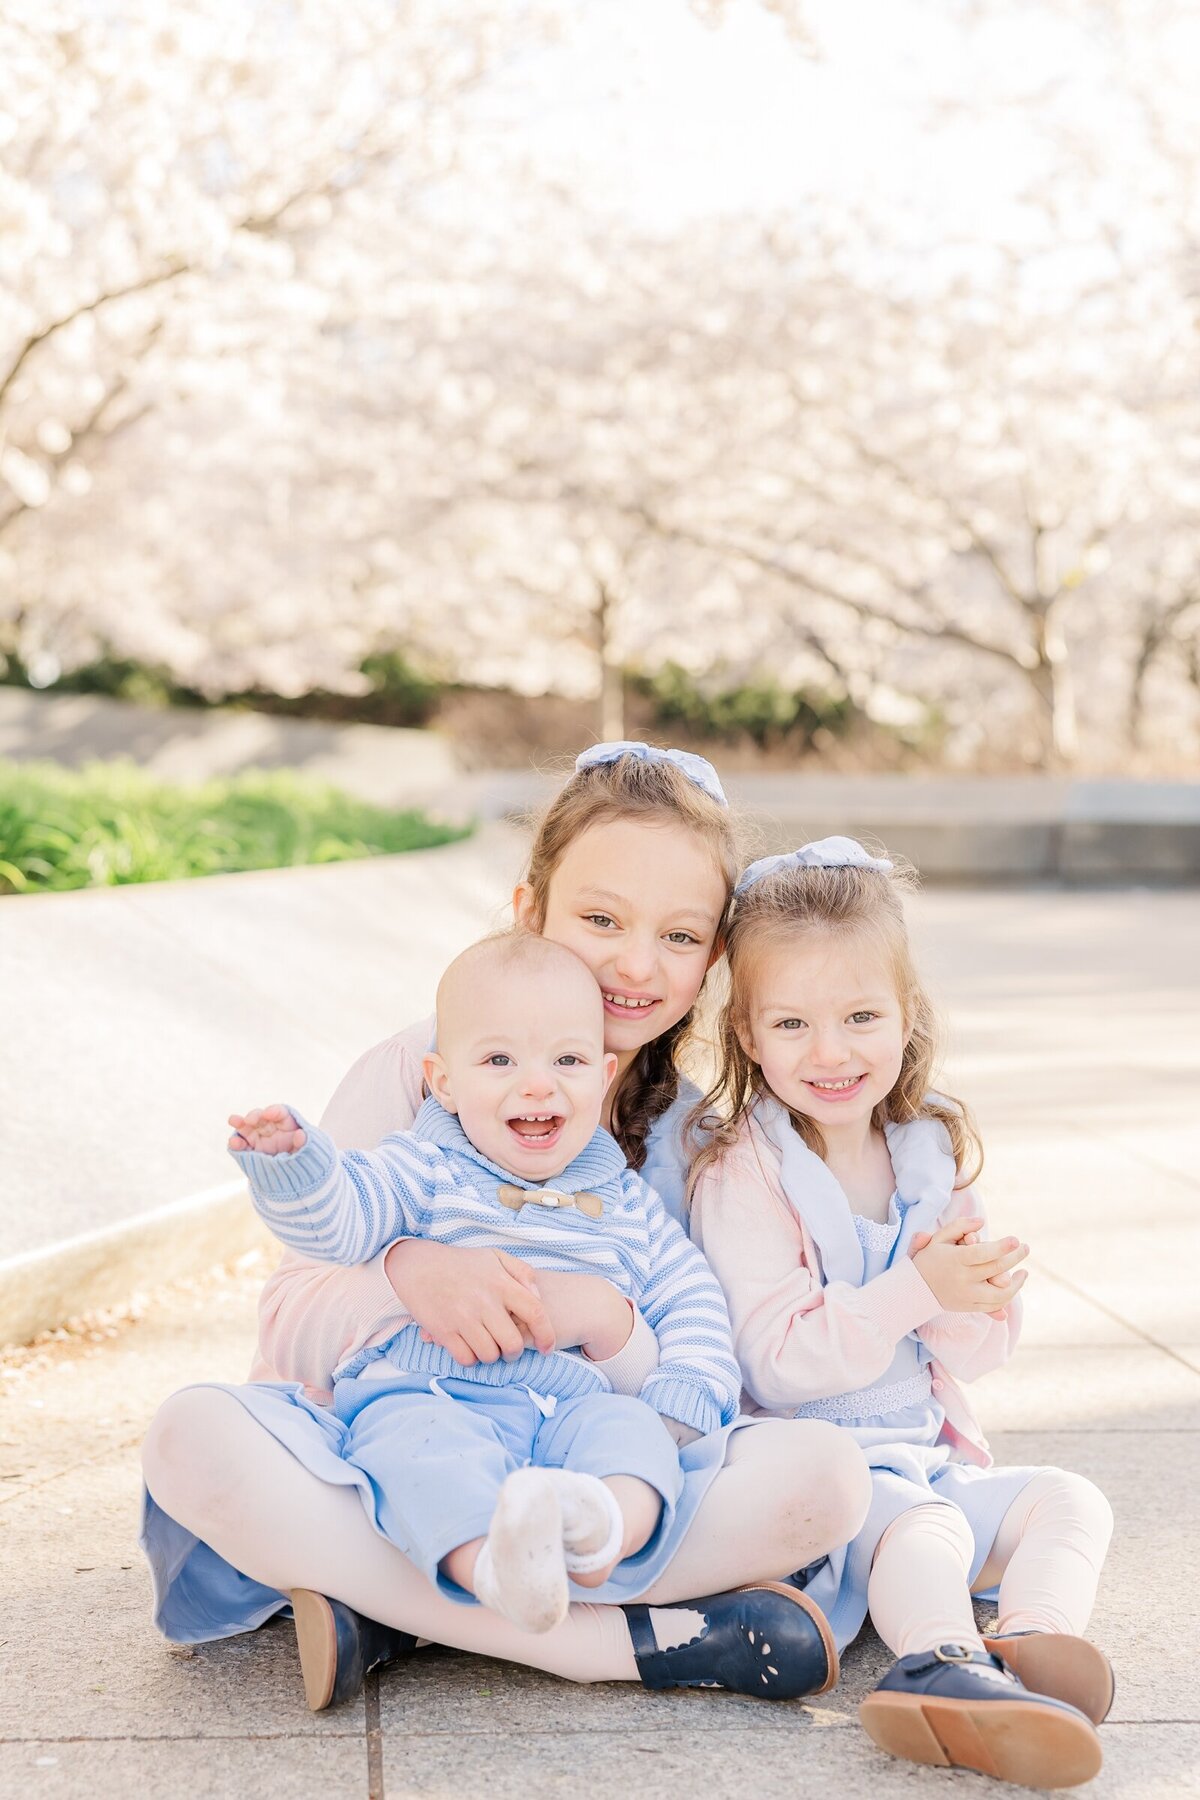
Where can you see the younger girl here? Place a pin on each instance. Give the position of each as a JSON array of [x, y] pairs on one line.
[[835, 1209]]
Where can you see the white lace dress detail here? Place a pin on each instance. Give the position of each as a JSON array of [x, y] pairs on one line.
[[885, 1397], [869, 1402]]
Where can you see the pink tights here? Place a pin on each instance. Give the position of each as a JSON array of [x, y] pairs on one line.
[[790, 1490], [1047, 1558]]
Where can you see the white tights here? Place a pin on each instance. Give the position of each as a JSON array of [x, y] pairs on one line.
[[790, 1490], [1047, 1558]]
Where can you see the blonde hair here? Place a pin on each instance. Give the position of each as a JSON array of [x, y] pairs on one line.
[[843, 902], [652, 793]]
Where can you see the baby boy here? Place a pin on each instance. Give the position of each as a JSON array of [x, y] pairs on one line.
[[508, 1479]]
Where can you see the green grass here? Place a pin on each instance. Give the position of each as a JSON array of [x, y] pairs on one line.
[[110, 824]]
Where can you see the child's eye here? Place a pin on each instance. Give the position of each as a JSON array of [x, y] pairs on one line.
[[570, 1061], [862, 1018], [789, 1024], [681, 937], [499, 1060], [599, 919]]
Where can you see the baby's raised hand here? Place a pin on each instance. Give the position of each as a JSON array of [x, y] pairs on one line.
[[269, 1129]]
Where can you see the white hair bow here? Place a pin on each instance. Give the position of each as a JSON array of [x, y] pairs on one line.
[[698, 769], [826, 853]]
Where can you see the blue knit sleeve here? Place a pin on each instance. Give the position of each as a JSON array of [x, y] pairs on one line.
[[697, 1380], [342, 1208]]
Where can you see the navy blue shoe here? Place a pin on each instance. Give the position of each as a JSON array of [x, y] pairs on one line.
[[339, 1648], [764, 1639], [961, 1708], [1067, 1668]]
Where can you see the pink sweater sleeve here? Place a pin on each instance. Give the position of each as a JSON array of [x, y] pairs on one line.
[[971, 1344], [312, 1316], [795, 1340]]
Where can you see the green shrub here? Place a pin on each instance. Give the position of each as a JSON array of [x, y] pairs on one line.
[[117, 677], [109, 824], [399, 694], [760, 710]]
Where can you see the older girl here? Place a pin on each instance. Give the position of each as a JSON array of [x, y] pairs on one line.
[[835, 1209], [249, 1503]]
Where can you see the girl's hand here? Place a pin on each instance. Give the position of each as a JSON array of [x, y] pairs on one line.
[[271, 1130], [921, 1238], [479, 1305], [964, 1273]]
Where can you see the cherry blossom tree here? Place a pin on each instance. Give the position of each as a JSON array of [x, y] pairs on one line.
[[299, 360]]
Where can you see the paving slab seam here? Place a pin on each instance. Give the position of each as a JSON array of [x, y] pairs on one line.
[[831, 1722], [1131, 1150], [1116, 1317], [374, 1735], [605, 1731], [87, 1462], [197, 1737]]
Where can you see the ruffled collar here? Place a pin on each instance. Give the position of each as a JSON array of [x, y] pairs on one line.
[[925, 1171]]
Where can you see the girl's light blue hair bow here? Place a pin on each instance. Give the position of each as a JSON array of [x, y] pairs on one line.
[[698, 770], [826, 853]]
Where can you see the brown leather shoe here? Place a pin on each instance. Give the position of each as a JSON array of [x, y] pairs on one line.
[[1067, 1668], [339, 1648], [960, 1708]]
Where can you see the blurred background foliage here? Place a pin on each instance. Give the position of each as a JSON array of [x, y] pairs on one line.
[[110, 824], [498, 366]]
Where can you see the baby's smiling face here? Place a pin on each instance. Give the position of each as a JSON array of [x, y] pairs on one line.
[[520, 1054]]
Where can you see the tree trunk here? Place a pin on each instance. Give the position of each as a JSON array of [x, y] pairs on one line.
[[612, 675], [1054, 687], [1136, 717]]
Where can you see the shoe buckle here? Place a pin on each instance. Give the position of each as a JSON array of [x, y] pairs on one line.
[[953, 1653]]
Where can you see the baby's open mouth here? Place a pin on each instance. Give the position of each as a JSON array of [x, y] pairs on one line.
[[535, 1130]]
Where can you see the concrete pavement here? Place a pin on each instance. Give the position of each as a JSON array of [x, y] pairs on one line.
[[1073, 1017], [144, 1015]]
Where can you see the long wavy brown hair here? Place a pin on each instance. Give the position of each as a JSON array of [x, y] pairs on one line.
[[631, 789], [847, 902]]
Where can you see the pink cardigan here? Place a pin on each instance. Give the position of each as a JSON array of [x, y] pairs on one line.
[[798, 1339], [313, 1316]]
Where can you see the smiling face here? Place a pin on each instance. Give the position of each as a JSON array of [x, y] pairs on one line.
[[826, 1026], [639, 903], [520, 1054]]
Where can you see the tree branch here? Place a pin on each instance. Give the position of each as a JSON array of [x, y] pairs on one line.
[[956, 515], [141, 286], [774, 564]]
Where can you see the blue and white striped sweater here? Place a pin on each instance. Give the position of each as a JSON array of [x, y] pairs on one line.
[[431, 1182]]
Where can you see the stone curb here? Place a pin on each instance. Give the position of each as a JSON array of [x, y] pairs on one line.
[[966, 830], [101, 1268]]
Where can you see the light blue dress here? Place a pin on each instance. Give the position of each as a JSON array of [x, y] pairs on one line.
[[199, 1596], [897, 1422], [666, 1165]]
